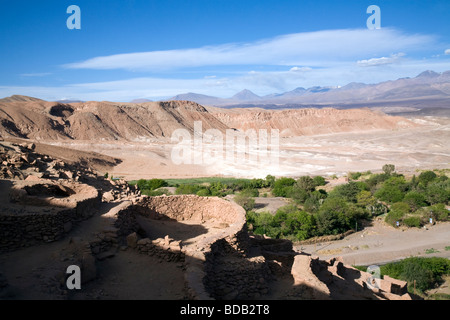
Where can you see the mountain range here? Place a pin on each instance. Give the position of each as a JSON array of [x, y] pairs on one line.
[[427, 86]]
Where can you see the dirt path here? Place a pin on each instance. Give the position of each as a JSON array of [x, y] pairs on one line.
[[380, 243]]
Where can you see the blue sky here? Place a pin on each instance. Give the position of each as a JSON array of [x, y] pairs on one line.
[[156, 49]]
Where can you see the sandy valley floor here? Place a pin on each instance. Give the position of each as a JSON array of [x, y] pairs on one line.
[[425, 147]]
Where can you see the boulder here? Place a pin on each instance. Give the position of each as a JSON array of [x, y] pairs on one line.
[[132, 240]]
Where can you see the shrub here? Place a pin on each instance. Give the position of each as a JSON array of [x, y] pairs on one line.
[[203, 192], [281, 185], [412, 221], [151, 184], [270, 181], [439, 212], [397, 212], [306, 183], [319, 181], [354, 175], [187, 189], [245, 201]]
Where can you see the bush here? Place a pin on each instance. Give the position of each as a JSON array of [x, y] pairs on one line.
[[319, 181], [397, 212], [245, 201], [187, 189], [203, 192], [439, 212], [306, 183], [281, 187], [412, 221], [152, 184], [354, 175]]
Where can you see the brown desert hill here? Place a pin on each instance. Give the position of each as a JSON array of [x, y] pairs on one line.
[[24, 117], [300, 122], [41, 120]]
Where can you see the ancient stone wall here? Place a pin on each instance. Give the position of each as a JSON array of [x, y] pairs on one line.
[[231, 237], [27, 228]]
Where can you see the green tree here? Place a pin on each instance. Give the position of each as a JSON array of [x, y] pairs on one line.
[[270, 181], [438, 192], [347, 191], [426, 177], [415, 200], [281, 187], [306, 183], [388, 169], [319, 181], [365, 198], [333, 217]]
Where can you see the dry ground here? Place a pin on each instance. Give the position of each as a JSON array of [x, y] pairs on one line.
[[423, 147]]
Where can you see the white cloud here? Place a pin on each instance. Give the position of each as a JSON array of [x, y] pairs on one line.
[[447, 51], [310, 48], [380, 61], [302, 69]]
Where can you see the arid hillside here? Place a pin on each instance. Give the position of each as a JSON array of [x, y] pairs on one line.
[[31, 118], [301, 122], [41, 120]]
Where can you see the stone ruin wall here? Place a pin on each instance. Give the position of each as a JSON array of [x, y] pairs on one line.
[[19, 230], [200, 259], [220, 266]]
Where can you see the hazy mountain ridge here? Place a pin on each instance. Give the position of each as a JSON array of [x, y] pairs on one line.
[[428, 84]]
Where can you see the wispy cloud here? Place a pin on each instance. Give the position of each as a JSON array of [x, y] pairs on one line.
[[310, 48], [43, 74], [380, 61]]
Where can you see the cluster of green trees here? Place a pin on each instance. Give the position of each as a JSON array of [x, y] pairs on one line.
[[152, 187], [425, 272], [316, 212], [413, 202], [220, 189]]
